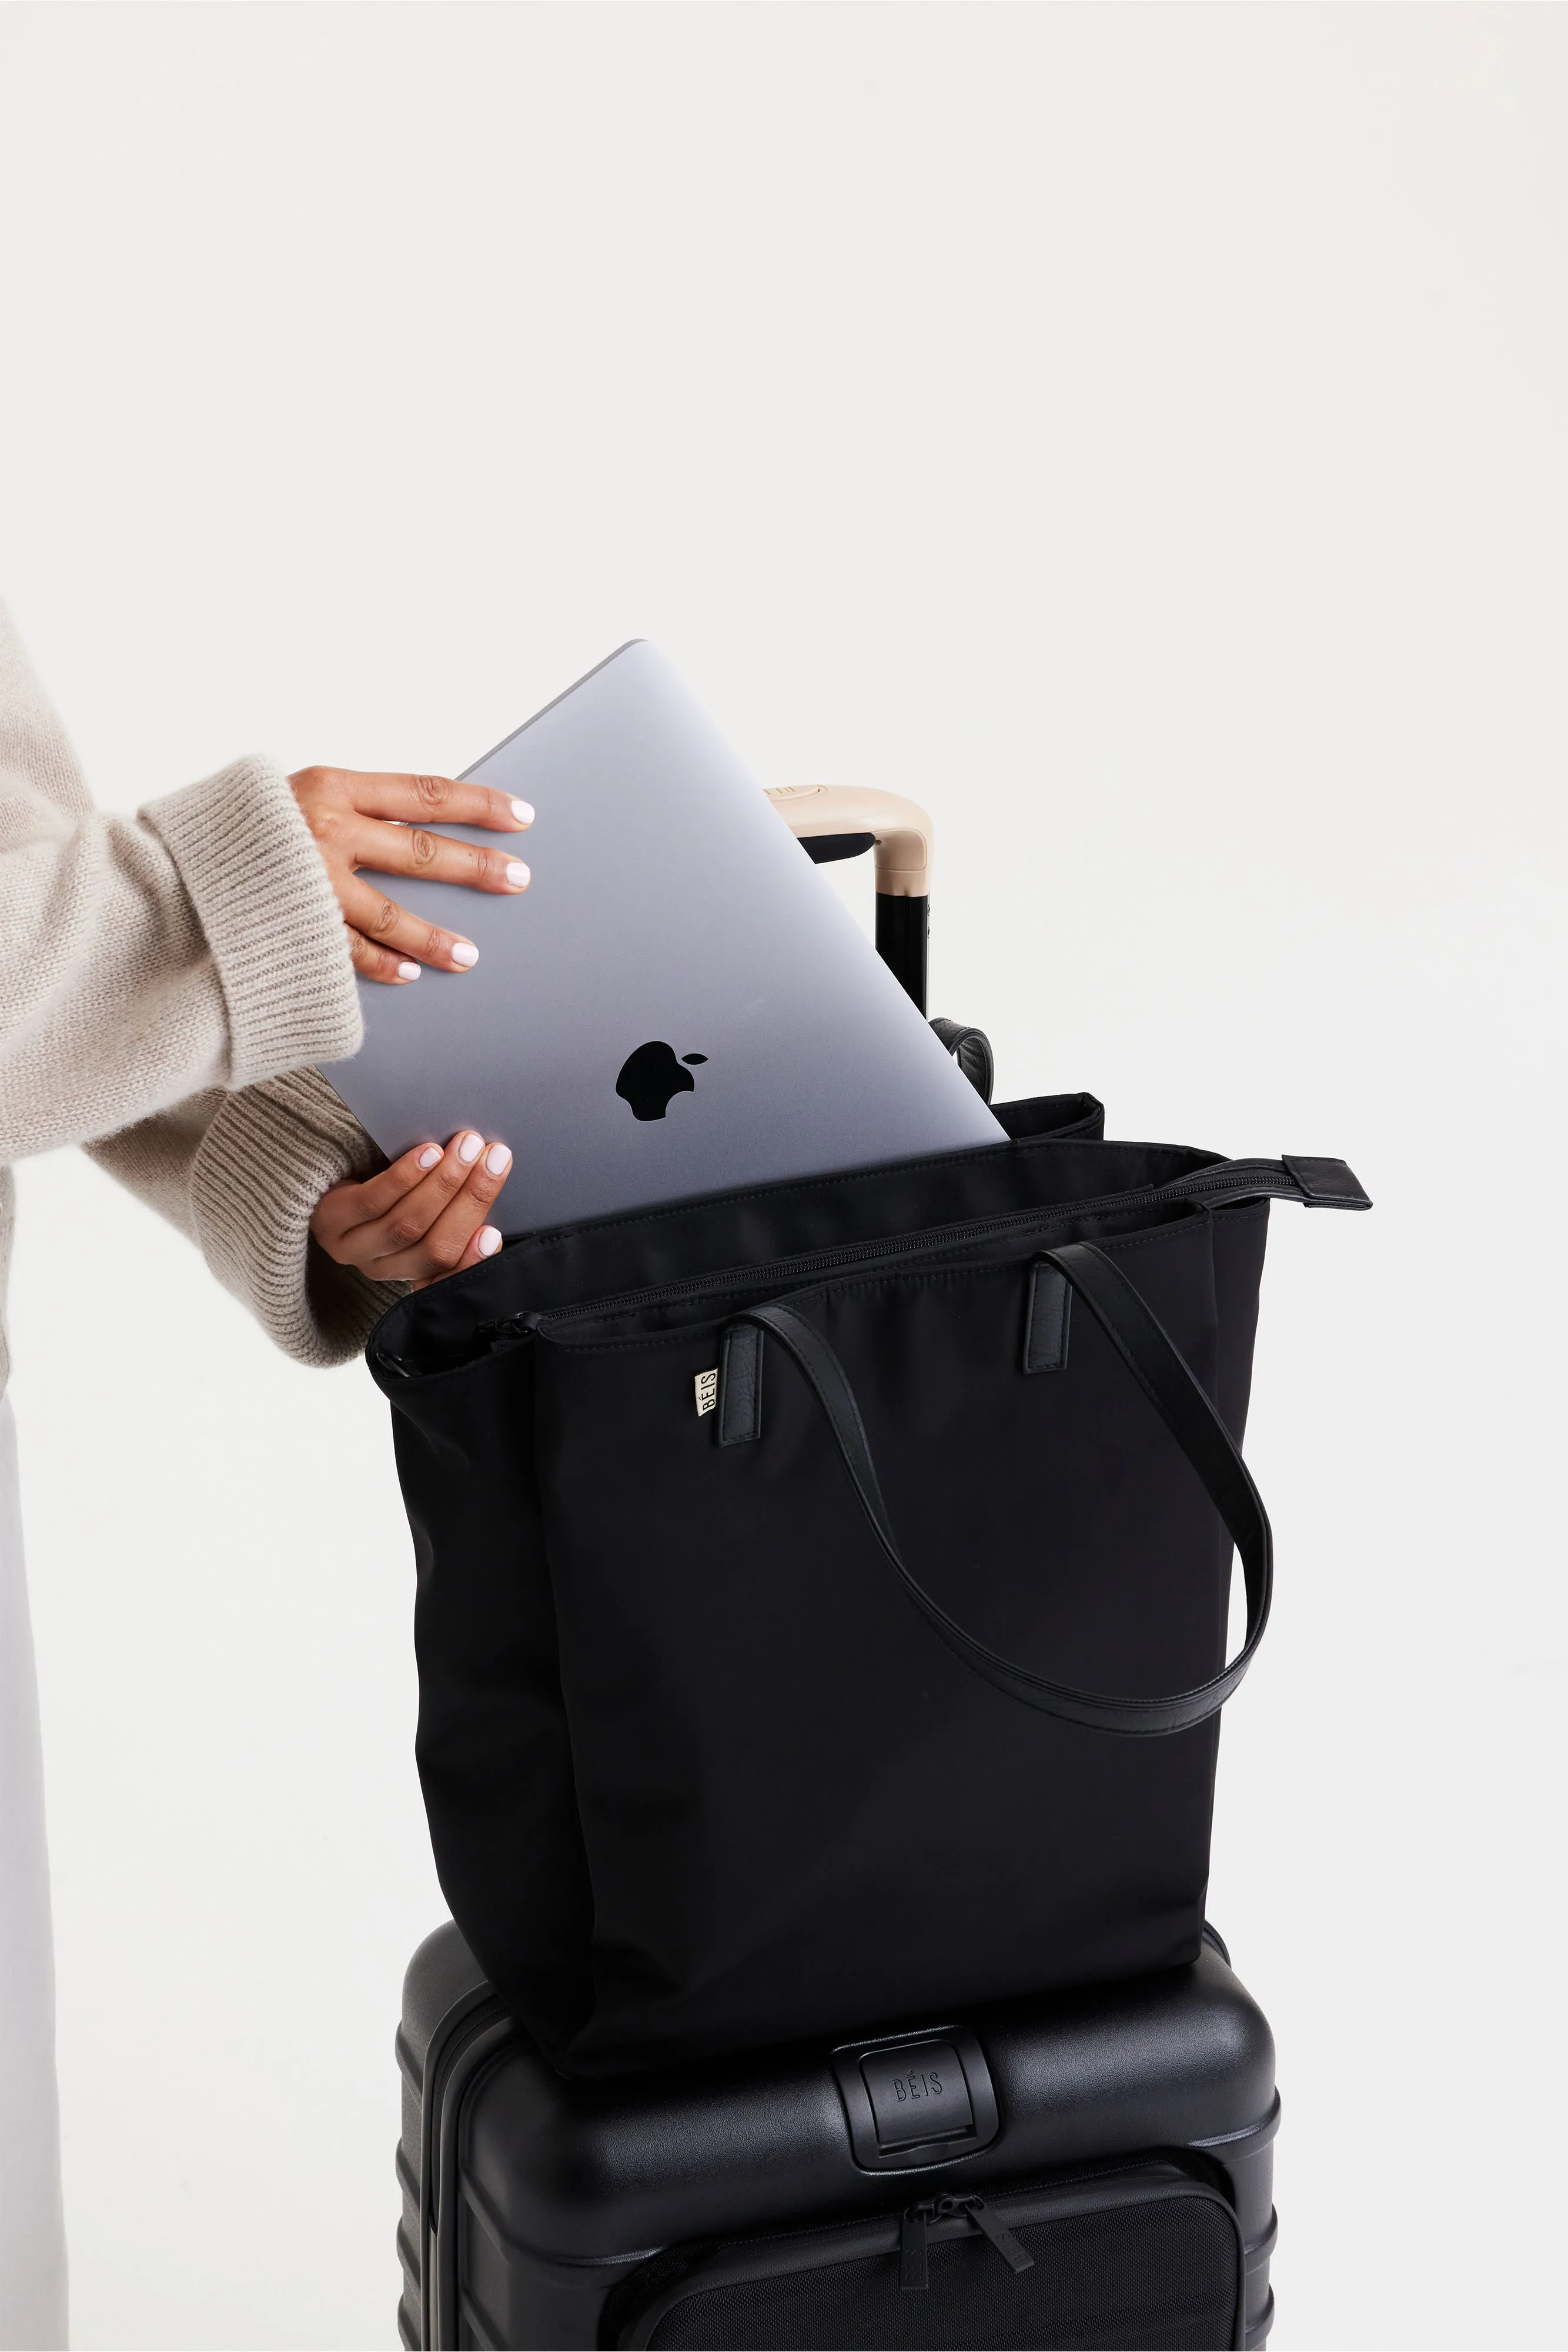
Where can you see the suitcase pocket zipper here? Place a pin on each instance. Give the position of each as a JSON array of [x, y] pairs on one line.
[[642, 2309], [914, 2264]]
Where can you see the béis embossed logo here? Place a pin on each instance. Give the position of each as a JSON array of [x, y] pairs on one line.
[[652, 1077]]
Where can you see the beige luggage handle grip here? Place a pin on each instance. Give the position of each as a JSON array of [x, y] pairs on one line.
[[904, 834]]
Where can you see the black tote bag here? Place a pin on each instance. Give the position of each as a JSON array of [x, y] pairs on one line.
[[823, 1590]]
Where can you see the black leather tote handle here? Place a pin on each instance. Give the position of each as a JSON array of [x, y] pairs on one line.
[[1159, 1371]]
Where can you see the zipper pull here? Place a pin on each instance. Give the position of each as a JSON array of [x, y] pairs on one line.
[[913, 2271], [1016, 2256], [512, 1326]]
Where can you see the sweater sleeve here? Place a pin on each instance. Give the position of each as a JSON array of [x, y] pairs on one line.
[[240, 1174], [196, 945]]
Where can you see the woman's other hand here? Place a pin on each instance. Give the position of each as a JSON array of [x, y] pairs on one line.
[[423, 1217], [379, 822]]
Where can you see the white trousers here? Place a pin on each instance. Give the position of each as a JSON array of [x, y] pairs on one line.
[[32, 2222]]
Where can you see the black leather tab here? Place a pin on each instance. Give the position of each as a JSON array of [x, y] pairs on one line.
[[1046, 1314], [740, 1385], [1326, 1183]]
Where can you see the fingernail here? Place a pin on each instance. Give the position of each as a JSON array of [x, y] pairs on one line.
[[488, 1242], [465, 953], [498, 1160], [522, 812], [470, 1148], [518, 874], [408, 971], [430, 1155]]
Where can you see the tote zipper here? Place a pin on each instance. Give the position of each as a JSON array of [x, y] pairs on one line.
[[1239, 1180]]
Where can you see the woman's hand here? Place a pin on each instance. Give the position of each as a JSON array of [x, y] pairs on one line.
[[420, 1218], [375, 821]]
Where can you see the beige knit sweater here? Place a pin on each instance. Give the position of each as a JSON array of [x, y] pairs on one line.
[[166, 983]]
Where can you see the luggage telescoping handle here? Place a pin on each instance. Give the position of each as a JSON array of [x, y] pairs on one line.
[[833, 821], [1159, 1370]]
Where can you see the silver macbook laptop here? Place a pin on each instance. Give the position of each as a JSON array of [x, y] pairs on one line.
[[678, 1004]]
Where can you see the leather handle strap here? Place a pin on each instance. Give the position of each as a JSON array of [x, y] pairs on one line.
[[1159, 1371]]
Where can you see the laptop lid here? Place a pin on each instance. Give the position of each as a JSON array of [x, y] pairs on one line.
[[677, 1004]]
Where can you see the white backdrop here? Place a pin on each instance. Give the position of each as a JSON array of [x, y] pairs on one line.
[[1137, 434]]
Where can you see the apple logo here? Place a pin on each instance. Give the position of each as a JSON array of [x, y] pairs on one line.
[[652, 1077]]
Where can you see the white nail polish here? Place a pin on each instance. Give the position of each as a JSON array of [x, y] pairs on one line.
[[498, 1160], [465, 953], [522, 812], [408, 971], [470, 1148], [518, 874], [430, 1155], [488, 1242]]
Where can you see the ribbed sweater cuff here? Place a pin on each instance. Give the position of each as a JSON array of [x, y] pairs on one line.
[[262, 895], [264, 1163]]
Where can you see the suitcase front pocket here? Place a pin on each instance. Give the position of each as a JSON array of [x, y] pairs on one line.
[[1147, 2256]]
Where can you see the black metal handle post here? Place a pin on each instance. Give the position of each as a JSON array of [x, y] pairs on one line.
[[902, 929], [833, 822]]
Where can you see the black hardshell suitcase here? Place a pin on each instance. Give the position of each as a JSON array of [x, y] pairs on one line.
[[1087, 2169]]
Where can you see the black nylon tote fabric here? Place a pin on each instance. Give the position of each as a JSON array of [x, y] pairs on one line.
[[699, 1776]]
